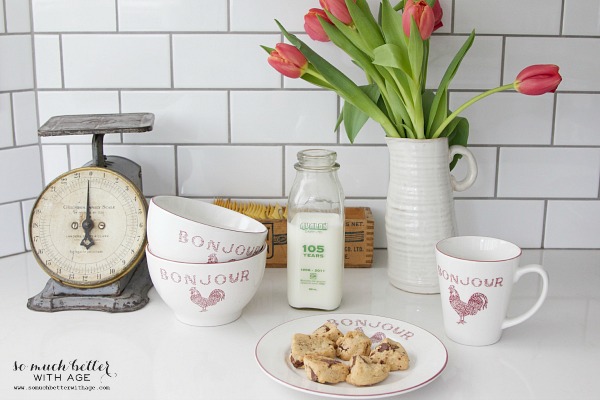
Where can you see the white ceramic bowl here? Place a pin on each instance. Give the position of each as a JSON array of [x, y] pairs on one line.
[[189, 230], [207, 294]]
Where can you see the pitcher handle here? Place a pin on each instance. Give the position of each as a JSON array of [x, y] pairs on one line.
[[466, 183]]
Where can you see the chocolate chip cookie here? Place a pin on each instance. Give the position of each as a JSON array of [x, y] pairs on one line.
[[324, 369], [310, 344], [390, 353], [365, 373], [353, 343]]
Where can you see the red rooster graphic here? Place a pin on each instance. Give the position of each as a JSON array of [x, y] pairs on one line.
[[476, 303], [215, 296]]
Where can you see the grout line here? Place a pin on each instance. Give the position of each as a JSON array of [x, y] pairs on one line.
[[6, 18], [117, 27], [544, 221]]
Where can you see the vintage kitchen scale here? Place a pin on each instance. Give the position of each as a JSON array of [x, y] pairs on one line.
[[88, 226]]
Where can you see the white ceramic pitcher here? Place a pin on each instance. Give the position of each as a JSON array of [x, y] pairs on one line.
[[420, 208]]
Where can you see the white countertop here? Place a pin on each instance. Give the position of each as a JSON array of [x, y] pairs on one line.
[[553, 355]]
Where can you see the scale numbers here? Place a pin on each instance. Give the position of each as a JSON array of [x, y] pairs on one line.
[[88, 227]]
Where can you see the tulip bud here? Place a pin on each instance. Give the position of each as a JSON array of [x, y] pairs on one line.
[[538, 79], [313, 26], [339, 9], [438, 13], [288, 60], [423, 15]]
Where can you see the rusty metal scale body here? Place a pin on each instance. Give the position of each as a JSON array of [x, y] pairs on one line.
[[88, 226]]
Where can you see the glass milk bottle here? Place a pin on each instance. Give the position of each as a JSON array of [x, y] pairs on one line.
[[315, 232]]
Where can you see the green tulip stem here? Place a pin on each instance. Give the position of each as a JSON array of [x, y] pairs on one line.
[[460, 109]]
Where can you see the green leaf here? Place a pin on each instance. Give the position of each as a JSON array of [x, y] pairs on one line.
[[350, 33], [399, 108], [415, 51], [342, 85], [267, 49], [458, 133], [344, 43], [365, 23], [391, 55], [355, 119], [438, 105], [391, 24]]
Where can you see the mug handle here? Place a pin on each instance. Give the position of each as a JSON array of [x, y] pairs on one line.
[[538, 269], [466, 183]]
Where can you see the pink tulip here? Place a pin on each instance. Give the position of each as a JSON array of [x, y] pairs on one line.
[[313, 26], [288, 60], [438, 13], [339, 9], [423, 15], [538, 79]]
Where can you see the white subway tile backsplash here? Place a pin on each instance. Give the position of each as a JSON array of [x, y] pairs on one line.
[[223, 61], [2, 25], [17, 16], [480, 69], [364, 170], [74, 16], [577, 58], [157, 162], [198, 66], [371, 133], [172, 15], [291, 14], [508, 17], [6, 124], [507, 118], [52, 103], [283, 117], [16, 62], [573, 224], [549, 172], [116, 61], [11, 234], [581, 17], [230, 171], [48, 61], [25, 118], [485, 183], [56, 161], [244, 15], [519, 221], [20, 173], [180, 116], [577, 119]]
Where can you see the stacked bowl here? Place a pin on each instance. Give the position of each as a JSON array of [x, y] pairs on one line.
[[206, 262]]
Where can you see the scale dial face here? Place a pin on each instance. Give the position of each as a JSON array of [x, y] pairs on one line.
[[88, 227]]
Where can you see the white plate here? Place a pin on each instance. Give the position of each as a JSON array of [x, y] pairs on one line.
[[428, 356]]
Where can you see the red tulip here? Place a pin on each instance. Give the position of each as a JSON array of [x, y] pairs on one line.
[[288, 60], [538, 79], [423, 16], [339, 9], [438, 13], [313, 26]]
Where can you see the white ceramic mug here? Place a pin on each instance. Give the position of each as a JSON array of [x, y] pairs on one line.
[[476, 276]]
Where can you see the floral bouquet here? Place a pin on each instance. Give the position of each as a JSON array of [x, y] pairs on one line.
[[393, 52]]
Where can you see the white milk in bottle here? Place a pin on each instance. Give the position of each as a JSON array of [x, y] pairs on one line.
[[315, 233]]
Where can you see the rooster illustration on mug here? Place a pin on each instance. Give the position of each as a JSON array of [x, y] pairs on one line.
[[477, 302], [213, 298]]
